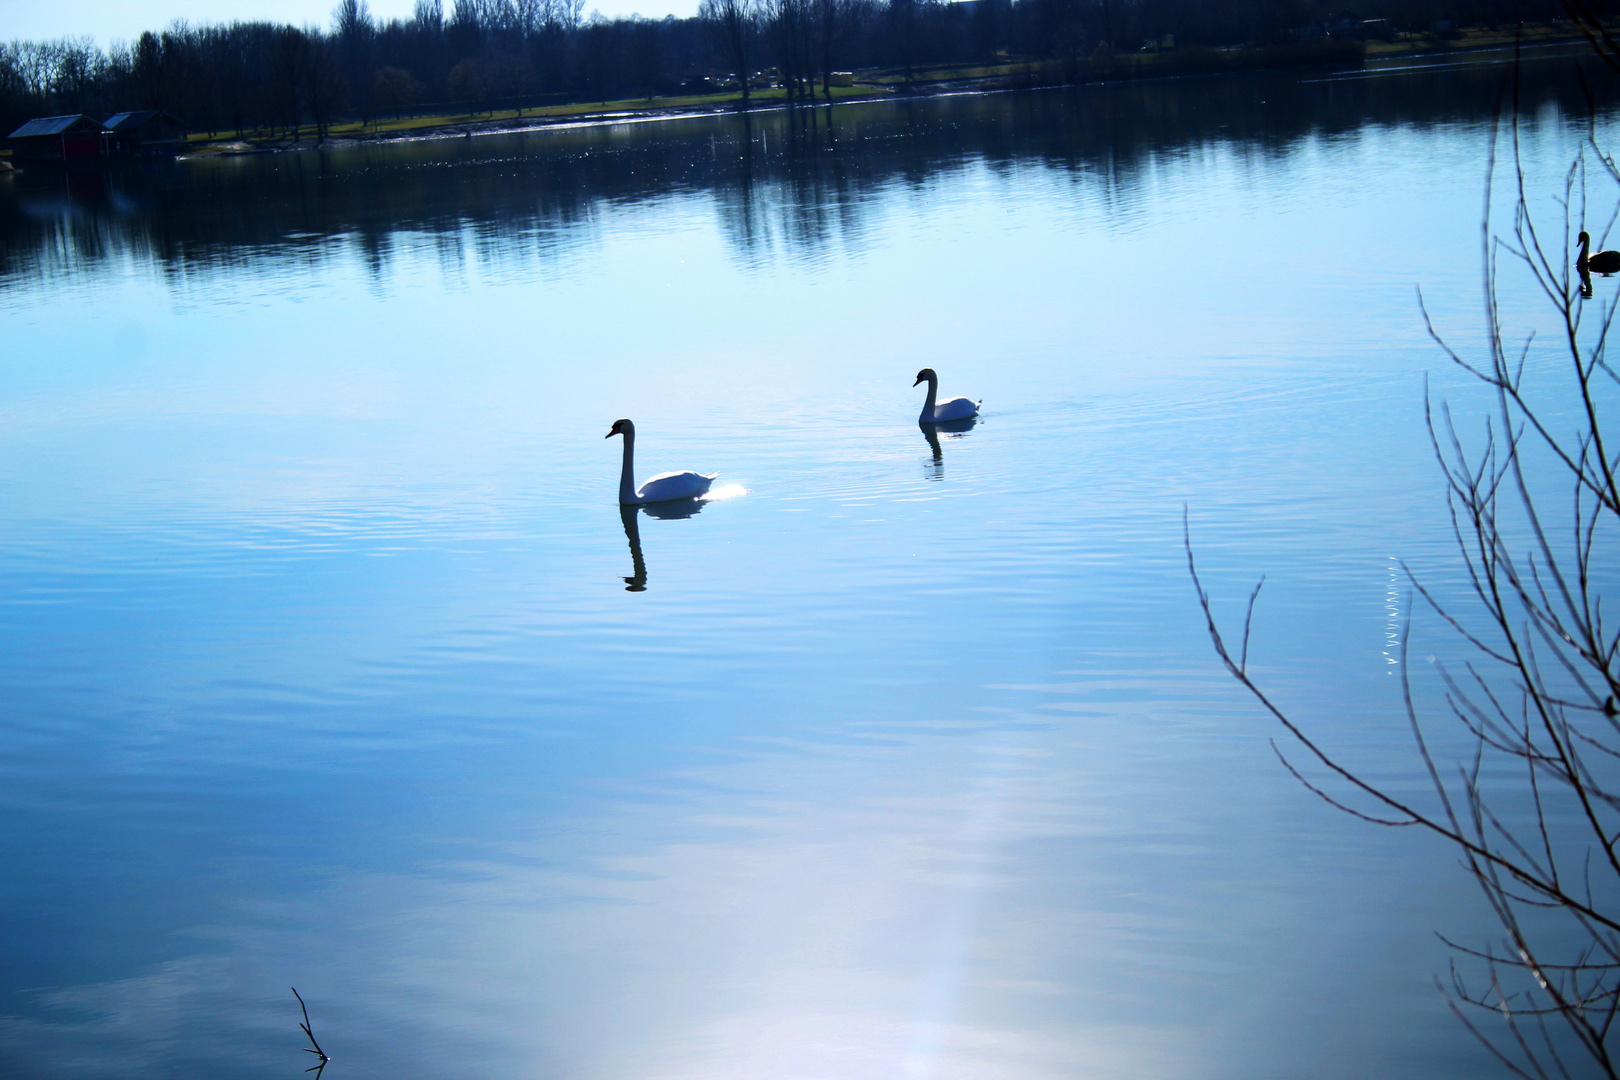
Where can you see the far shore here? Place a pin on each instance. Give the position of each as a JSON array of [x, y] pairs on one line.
[[887, 85]]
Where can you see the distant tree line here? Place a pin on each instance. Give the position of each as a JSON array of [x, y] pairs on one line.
[[799, 180], [479, 55]]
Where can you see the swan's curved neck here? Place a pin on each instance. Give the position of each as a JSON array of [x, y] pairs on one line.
[[627, 474], [1586, 245], [928, 404]]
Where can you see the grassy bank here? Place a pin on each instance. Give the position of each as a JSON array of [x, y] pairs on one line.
[[450, 123], [1478, 38]]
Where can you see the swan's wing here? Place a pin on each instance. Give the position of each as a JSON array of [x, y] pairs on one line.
[[674, 485]]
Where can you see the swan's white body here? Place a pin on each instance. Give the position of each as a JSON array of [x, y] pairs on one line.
[[957, 408], [665, 487], [671, 485]]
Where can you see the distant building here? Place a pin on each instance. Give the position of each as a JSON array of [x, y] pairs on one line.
[[58, 138], [144, 133]]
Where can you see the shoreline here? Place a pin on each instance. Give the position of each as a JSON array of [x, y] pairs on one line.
[[460, 129], [1031, 78]]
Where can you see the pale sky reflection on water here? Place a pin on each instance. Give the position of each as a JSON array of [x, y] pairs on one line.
[[322, 669]]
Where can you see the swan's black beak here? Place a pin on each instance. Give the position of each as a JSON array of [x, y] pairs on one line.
[[917, 383], [610, 434]]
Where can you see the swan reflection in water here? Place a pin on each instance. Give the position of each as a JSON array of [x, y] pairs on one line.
[[958, 428], [672, 510]]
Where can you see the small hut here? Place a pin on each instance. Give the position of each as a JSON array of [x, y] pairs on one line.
[[58, 138], [144, 133]]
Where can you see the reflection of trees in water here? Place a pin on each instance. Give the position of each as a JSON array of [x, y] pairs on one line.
[[795, 188], [792, 181]]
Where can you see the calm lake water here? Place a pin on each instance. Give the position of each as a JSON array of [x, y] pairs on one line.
[[328, 660]]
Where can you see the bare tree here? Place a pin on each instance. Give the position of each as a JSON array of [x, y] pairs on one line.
[[395, 89], [149, 71], [323, 85], [78, 64], [1589, 19], [902, 20], [429, 17], [565, 14], [469, 83], [1537, 700], [355, 33], [529, 16], [791, 26], [351, 18], [289, 66], [836, 23], [734, 24]]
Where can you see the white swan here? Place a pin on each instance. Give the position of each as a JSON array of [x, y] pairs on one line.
[[662, 488], [957, 408]]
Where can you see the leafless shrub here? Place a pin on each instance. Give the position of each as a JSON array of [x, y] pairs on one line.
[[1533, 809]]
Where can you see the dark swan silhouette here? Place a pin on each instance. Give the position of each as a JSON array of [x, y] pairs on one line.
[[1598, 262]]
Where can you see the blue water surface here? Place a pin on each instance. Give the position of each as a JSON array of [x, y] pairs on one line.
[[321, 668]]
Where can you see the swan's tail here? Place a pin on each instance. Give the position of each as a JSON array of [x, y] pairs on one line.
[[709, 476]]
